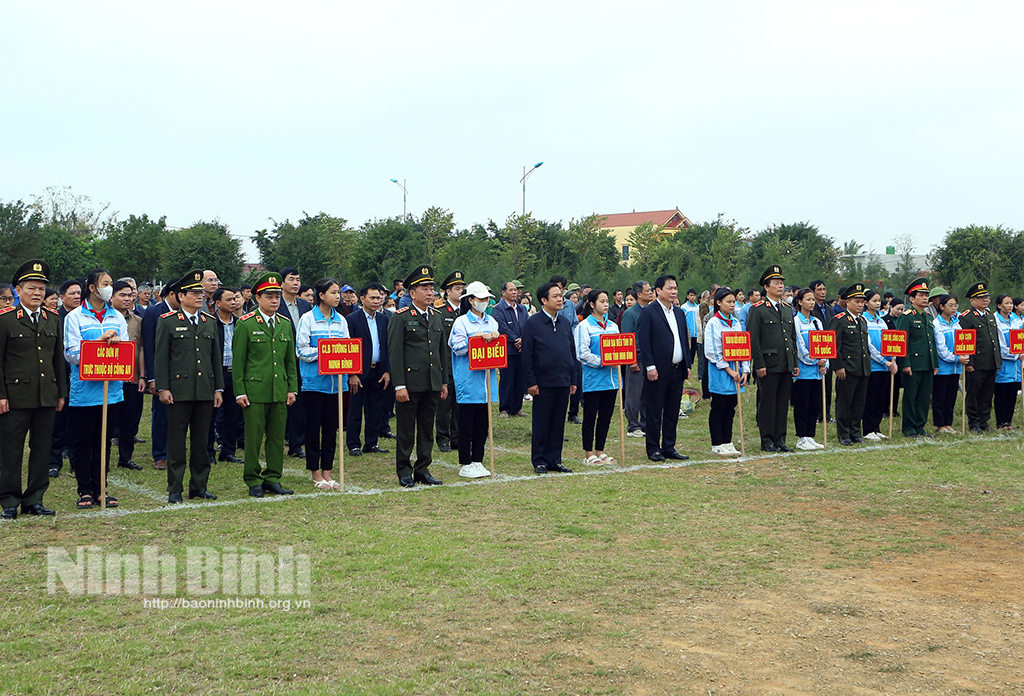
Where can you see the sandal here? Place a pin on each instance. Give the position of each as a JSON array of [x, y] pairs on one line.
[[322, 484], [84, 502], [335, 486], [605, 459], [593, 460], [111, 502]]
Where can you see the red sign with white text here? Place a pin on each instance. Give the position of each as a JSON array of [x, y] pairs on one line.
[[894, 344], [822, 344], [618, 349], [99, 362], [339, 356], [965, 342], [488, 356], [1017, 341], [736, 346]]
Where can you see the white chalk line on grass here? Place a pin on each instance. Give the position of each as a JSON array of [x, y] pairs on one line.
[[509, 478]]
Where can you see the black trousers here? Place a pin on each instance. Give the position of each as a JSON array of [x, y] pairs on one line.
[[598, 407], [61, 443], [1005, 401], [387, 410], [322, 428], [367, 406], [876, 404], [128, 421], [158, 431], [661, 406], [981, 386], [228, 418], [574, 399], [37, 424], [87, 443], [806, 398], [446, 423], [723, 410], [944, 391], [191, 418], [511, 387], [851, 395], [295, 428], [773, 406], [472, 432], [549, 408], [414, 422]]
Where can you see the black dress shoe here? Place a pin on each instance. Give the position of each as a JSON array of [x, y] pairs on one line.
[[769, 447], [129, 465], [857, 438], [656, 456], [445, 447], [229, 458], [575, 420], [538, 469], [406, 481], [10, 513], [846, 442], [559, 468], [926, 435], [54, 472], [276, 488], [202, 495], [783, 448], [375, 450], [673, 454], [388, 435], [256, 491], [297, 453], [174, 498], [426, 479], [37, 509], [355, 452]]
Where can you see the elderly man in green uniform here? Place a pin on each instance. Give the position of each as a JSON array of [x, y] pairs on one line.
[[853, 366], [921, 362], [190, 383], [986, 361], [33, 387], [447, 410], [773, 349], [265, 381], [419, 368]]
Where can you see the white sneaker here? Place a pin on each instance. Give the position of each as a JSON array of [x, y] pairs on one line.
[[731, 450], [872, 436], [527, 397], [805, 443], [882, 436], [682, 415], [482, 471], [473, 470], [636, 433], [720, 449], [817, 445]]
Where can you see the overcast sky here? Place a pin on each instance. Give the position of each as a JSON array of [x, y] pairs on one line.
[[868, 118]]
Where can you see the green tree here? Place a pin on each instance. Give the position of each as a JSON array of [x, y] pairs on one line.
[[437, 224], [19, 237], [387, 249], [728, 254], [70, 255], [133, 247], [320, 246], [517, 241], [978, 253], [592, 248], [644, 242], [79, 215], [206, 245], [906, 268], [804, 253]]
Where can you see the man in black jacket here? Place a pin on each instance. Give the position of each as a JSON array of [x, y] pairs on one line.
[[229, 415], [292, 308], [511, 317], [368, 388], [158, 432], [549, 370]]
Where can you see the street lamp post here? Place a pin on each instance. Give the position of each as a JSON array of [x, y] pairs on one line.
[[523, 181], [405, 196]]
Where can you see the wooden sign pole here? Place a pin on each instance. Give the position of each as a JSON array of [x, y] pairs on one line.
[[963, 387], [490, 421], [622, 422], [824, 409], [739, 404], [341, 435], [103, 448], [892, 399]]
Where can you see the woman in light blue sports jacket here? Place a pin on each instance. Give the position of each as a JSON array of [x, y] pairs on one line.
[[1008, 375], [600, 384], [945, 384]]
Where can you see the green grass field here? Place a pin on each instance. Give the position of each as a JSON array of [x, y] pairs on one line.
[[773, 574]]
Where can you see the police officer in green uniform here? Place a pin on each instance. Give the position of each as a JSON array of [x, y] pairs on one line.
[[33, 387], [190, 383], [853, 366], [981, 370], [773, 349], [265, 381], [921, 362], [447, 409], [419, 368]]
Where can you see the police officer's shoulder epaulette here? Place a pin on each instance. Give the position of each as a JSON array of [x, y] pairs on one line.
[[250, 315], [399, 311], [439, 302], [167, 314], [281, 316], [786, 304], [203, 311], [759, 303], [840, 315], [5, 311], [965, 312]]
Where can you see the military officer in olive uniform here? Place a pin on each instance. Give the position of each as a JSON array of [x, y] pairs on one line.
[[419, 368], [190, 383], [921, 362], [447, 409], [33, 387], [773, 349], [981, 370], [853, 366], [266, 381]]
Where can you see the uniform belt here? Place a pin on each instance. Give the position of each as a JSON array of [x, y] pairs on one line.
[[228, 368], [373, 366]]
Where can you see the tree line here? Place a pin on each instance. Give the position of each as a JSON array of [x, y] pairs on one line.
[[75, 234]]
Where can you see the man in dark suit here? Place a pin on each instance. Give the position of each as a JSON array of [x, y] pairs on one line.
[[824, 312], [292, 308], [159, 424], [447, 419], [229, 415], [70, 298], [511, 317], [368, 388], [663, 344], [549, 372]]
